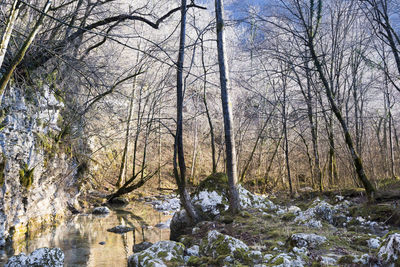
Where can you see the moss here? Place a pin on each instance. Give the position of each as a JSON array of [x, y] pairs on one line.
[[347, 259], [278, 261], [215, 182], [245, 214], [243, 256], [26, 176], [194, 261], [227, 219], [221, 247], [288, 217], [162, 254]]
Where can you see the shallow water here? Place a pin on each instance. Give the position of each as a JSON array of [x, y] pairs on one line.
[[79, 236]]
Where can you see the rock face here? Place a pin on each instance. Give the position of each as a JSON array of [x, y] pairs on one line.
[[389, 253], [37, 179], [43, 257], [159, 254]]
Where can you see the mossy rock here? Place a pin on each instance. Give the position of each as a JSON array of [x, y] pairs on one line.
[[346, 259], [215, 182]]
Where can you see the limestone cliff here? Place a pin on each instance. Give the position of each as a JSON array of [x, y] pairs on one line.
[[38, 179]]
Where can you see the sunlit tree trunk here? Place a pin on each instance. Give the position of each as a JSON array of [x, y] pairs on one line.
[[179, 156], [227, 110]]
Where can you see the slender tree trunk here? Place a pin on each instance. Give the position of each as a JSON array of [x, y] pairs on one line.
[[194, 155], [227, 110], [179, 156], [332, 165], [212, 135], [369, 188], [269, 167], [122, 168]]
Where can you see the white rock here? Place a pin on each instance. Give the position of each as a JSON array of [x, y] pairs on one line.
[[193, 251], [363, 259], [215, 240], [158, 254], [294, 209], [45, 257], [101, 210], [172, 204], [210, 202], [328, 260], [374, 243], [307, 240], [390, 249]]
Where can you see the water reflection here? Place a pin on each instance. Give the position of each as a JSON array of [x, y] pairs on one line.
[[79, 237]]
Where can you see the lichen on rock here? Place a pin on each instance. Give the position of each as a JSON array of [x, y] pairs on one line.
[[44, 257], [389, 252], [307, 240], [159, 254]]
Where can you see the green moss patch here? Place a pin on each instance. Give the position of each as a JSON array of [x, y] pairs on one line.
[[26, 176]]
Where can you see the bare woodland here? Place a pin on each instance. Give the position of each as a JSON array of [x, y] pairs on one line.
[[287, 96]]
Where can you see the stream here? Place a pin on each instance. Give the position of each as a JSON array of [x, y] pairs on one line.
[[80, 235]]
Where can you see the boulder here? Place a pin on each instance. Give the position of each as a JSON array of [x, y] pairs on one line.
[[171, 204], [180, 221], [43, 257], [307, 240], [321, 210], [217, 245], [101, 210], [390, 250], [121, 229], [211, 199], [159, 254], [374, 243]]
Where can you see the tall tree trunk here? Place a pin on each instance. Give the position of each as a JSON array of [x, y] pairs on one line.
[[179, 156], [227, 110]]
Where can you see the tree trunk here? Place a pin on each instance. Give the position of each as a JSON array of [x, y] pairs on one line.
[[179, 156], [227, 110], [369, 188], [212, 135]]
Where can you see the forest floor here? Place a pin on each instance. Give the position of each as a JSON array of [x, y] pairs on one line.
[[333, 228]]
